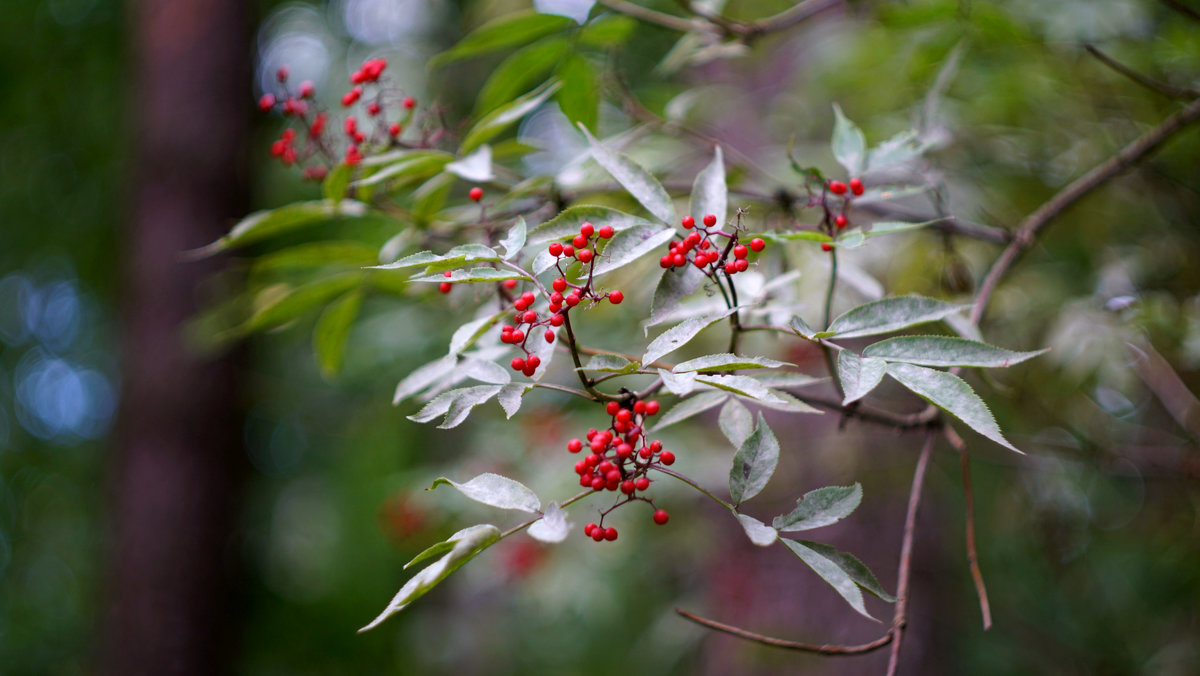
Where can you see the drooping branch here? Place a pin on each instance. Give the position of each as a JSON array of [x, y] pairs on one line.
[[900, 618], [1153, 85], [985, 607], [832, 650]]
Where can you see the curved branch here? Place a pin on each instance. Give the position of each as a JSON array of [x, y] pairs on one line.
[[900, 618], [1153, 85], [833, 650]]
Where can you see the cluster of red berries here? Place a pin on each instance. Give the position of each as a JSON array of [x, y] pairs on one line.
[[619, 460], [530, 319], [699, 249], [577, 249], [855, 187]]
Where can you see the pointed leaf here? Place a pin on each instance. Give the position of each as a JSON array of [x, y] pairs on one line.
[[635, 179], [821, 507], [283, 307], [850, 565], [472, 276], [674, 285], [859, 375], [754, 463], [579, 97], [261, 225], [681, 384], [801, 328], [466, 335], [336, 181], [519, 71], [951, 394], [454, 258], [690, 407], [629, 245], [515, 240], [849, 145], [709, 194], [735, 422], [413, 164], [510, 30], [476, 166], [455, 404], [608, 30], [423, 377], [759, 533], [677, 336], [553, 526], [484, 371], [332, 329], [610, 363], [740, 385], [888, 315], [494, 490], [501, 118], [567, 223], [946, 351], [728, 362], [470, 541], [511, 396], [832, 573]]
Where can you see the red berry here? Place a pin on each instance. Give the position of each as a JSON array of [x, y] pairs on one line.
[[584, 255], [624, 451], [730, 268], [587, 530], [569, 251], [757, 244], [518, 336], [592, 459], [395, 129], [358, 77], [549, 336], [556, 298], [556, 320], [639, 407], [689, 222], [572, 300], [610, 533], [741, 264], [642, 483], [692, 239], [534, 361], [587, 229], [518, 364], [615, 297], [710, 220], [598, 483], [624, 415], [841, 221], [373, 108], [826, 246], [655, 446], [856, 186], [597, 533], [574, 446], [448, 273], [606, 231], [627, 487], [705, 244], [559, 284], [529, 317], [740, 251], [510, 283], [444, 287], [307, 89], [837, 187], [661, 517], [528, 370], [678, 260], [476, 194], [267, 102], [612, 407], [667, 457], [579, 241], [645, 453], [282, 74], [666, 261], [409, 103], [652, 408]]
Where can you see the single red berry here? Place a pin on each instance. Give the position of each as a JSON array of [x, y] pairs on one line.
[[741, 264], [530, 317], [689, 222], [592, 459], [579, 241], [510, 283], [642, 483], [624, 415], [624, 451], [652, 408], [409, 103], [448, 273], [661, 517], [610, 533], [598, 483], [351, 96], [667, 458], [307, 89], [574, 446], [587, 530], [826, 246], [584, 255], [373, 108], [615, 297], [359, 138], [549, 336], [666, 261], [528, 297], [612, 407], [679, 260], [639, 407], [572, 300], [518, 336], [318, 125], [556, 298], [605, 231], [740, 251], [587, 229], [581, 467], [645, 453], [518, 364], [705, 244], [710, 220], [529, 370], [655, 446], [692, 239], [837, 187], [267, 102], [556, 320], [730, 268], [841, 221], [395, 129], [627, 487], [597, 533], [559, 284], [569, 251], [444, 287], [621, 427], [282, 74], [358, 77], [534, 361], [476, 194], [757, 244], [856, 186]]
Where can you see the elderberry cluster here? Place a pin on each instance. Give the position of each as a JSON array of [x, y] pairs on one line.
[[838, 188], [619, 460], [699, 249]]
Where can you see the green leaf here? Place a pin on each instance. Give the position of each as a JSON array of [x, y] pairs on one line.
[[951, 394], [499, 119], [514, 241], [635, 179], [677, 336], [431, 196], [567, 223], [859, 375], [759, 533], [741, 385], [455, 404], [690, 407], [262, 225], [552, 527], [888, 315], [849, 145], [895, 152], [674, 285], [336, 181], [629, 245], [475, 167], [801, 328], [473, 275], [332, 329], [414, 164], [466, 544], [754, 463], [610, 363], [681, 385], [466, 335], [709, 194], [946, 351], [579, 97], [511, 396], [793, 236], [316, 255], [510, 30], [454, 258], [294, 302], [518, 72], [420, 379], [728, 362], [609, 30], [820, 507], [735, 422], [494, 490], [785, 379], [484, 371], [850, 565], [832, 573]]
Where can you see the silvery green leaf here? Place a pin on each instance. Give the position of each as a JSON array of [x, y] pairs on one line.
[[951, 394], [888, 315], [412, 164], [801, 328], [485, 371], [946, 351], [849, 145], [728, 362], [832, 573], [735, 422], [759, 533], [471, 276], [515, 240], [677, 336], [851, 566], [689, 407], [782, 401], [466, 335], [629, 245], [553, 526], [610, 363], [821, 507], [783, 379], [466, 544], [741, 385], [681, 384], [859, 375], [476, 167], [638, 182], [674, 285], [423, 377], [455, 404], [456, 257], [709, 194], [511, 396], [494, 490], [754, 463], [567, 223]]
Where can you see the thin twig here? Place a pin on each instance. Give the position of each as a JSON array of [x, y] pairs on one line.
[[1025, 234], [1153, 85], [785, 19], [1183, 9], [648, 15], [901, 421], [832, 650], [900, 618], [985, 608]]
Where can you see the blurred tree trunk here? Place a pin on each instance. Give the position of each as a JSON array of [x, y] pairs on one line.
[[177, 473]]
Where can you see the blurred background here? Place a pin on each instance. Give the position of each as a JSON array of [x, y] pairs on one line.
[[171, 502]]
